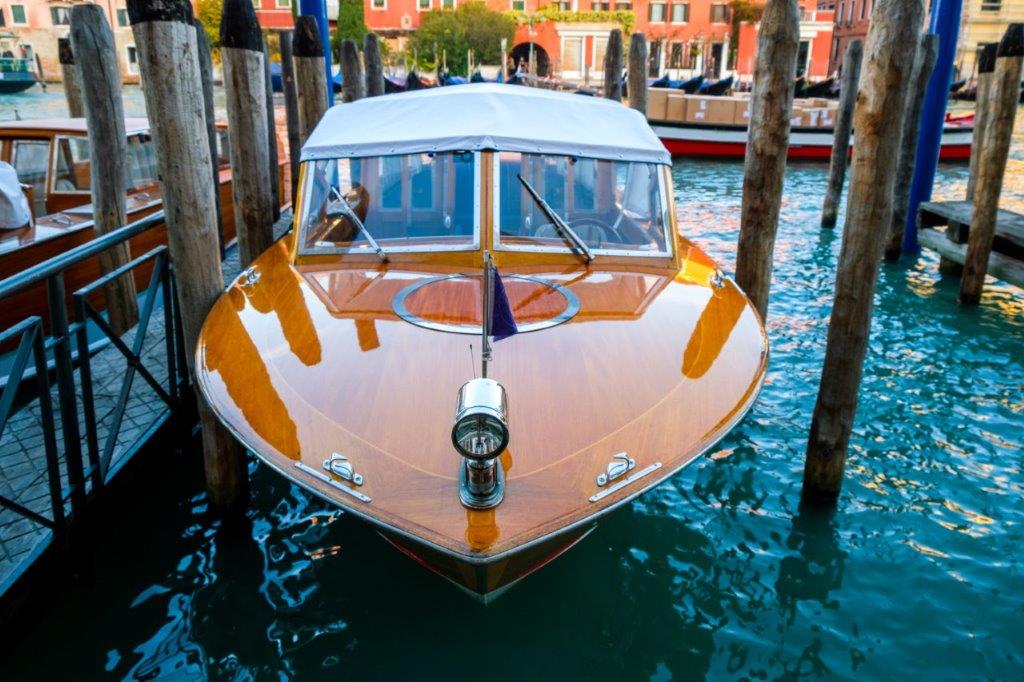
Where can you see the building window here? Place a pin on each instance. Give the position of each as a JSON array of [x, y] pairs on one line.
[[675, 56], [680, 12], [991, 5], [425, 5], [257, 4], [863, 9], [565, 6], [719, 13], [283, 4], [3, 20], [378, 4], [445, 4], [656, 13], [18, 17], [517, 5], [600, 6], [133, 59], [623, 6], [61, 16], [122, 17]]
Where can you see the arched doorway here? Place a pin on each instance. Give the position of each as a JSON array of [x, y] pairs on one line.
[[522, 52]]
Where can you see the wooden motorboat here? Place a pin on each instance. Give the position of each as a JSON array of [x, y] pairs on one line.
[[352, 358], [51, 157]]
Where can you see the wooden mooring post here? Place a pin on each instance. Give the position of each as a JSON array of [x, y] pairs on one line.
[[241, 49], [206, 75], [767, 145], [92, 42], [612, 66], [351, 72], [72, 78], [889, 58], [995, 147], [374, 65], [924, 62], [272, 166], [986, 69], [637, 83], [168, 56], [291, 108], [848, 85], [310, 80]]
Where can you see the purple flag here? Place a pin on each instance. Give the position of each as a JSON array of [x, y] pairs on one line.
[[503, 324]]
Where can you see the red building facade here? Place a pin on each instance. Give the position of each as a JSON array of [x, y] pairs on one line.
[[852, 19], [685, 37]]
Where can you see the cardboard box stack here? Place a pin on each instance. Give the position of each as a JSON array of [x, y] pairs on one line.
[[668, 105], [657, 103]]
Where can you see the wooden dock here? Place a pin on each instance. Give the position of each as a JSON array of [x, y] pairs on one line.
[[1007, 259]]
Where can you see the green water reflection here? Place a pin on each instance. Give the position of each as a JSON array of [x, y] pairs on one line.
[[716, 573]]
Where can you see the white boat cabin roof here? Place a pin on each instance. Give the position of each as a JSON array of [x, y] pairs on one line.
[[72, 125], [483, 116]]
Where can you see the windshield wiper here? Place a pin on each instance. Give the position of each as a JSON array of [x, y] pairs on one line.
[[347, 207], [578, 246]]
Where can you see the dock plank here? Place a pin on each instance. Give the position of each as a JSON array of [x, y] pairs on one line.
[[1000, 265], [1009, 237]]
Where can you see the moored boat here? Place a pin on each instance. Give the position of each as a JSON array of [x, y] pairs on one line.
[[514, 255], [730, 141], [52, 159]]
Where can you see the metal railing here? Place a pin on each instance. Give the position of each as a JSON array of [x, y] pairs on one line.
[[65, 349]]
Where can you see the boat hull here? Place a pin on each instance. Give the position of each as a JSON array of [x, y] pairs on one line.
[[804, 143], [12, 83], [488, 579]]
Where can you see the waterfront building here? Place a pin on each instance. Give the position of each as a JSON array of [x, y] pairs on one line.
[[685, 38], [32, 28], [852, 18], [983, 21]]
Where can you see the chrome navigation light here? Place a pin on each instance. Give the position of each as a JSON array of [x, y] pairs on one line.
[[480, 435]]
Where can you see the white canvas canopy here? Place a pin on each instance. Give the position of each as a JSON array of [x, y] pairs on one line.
[[485, 116]]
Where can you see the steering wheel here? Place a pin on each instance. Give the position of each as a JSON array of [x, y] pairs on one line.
[[594, 231]]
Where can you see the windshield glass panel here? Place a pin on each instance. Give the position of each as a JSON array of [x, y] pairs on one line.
[[613, 206], [406, 203]]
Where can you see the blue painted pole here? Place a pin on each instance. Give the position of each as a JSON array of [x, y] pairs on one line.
[[945, 22], [318, 10]]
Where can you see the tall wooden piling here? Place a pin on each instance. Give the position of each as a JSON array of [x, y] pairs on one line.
[[771, 106], [924, 62], [351, 73], [637, 85], [374, 65], [92, 42], [310, 81], [613, 66], [272, 167], [889, 58], [848, 85], [995, 147], [241, 49], [291, 108], [986, 68], [72, 78], [168, 56], [206, 76]]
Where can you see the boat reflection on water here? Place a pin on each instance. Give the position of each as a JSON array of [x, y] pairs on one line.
[[337, 356]]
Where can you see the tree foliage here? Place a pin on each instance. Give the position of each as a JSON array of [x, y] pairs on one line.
[[209, 13], [551, 12], [471, 26], [350, 25]]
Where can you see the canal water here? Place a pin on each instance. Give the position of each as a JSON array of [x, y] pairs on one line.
[[715, 573]]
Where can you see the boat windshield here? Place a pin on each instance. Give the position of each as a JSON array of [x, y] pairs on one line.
[[413, 202], [615, 207]]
